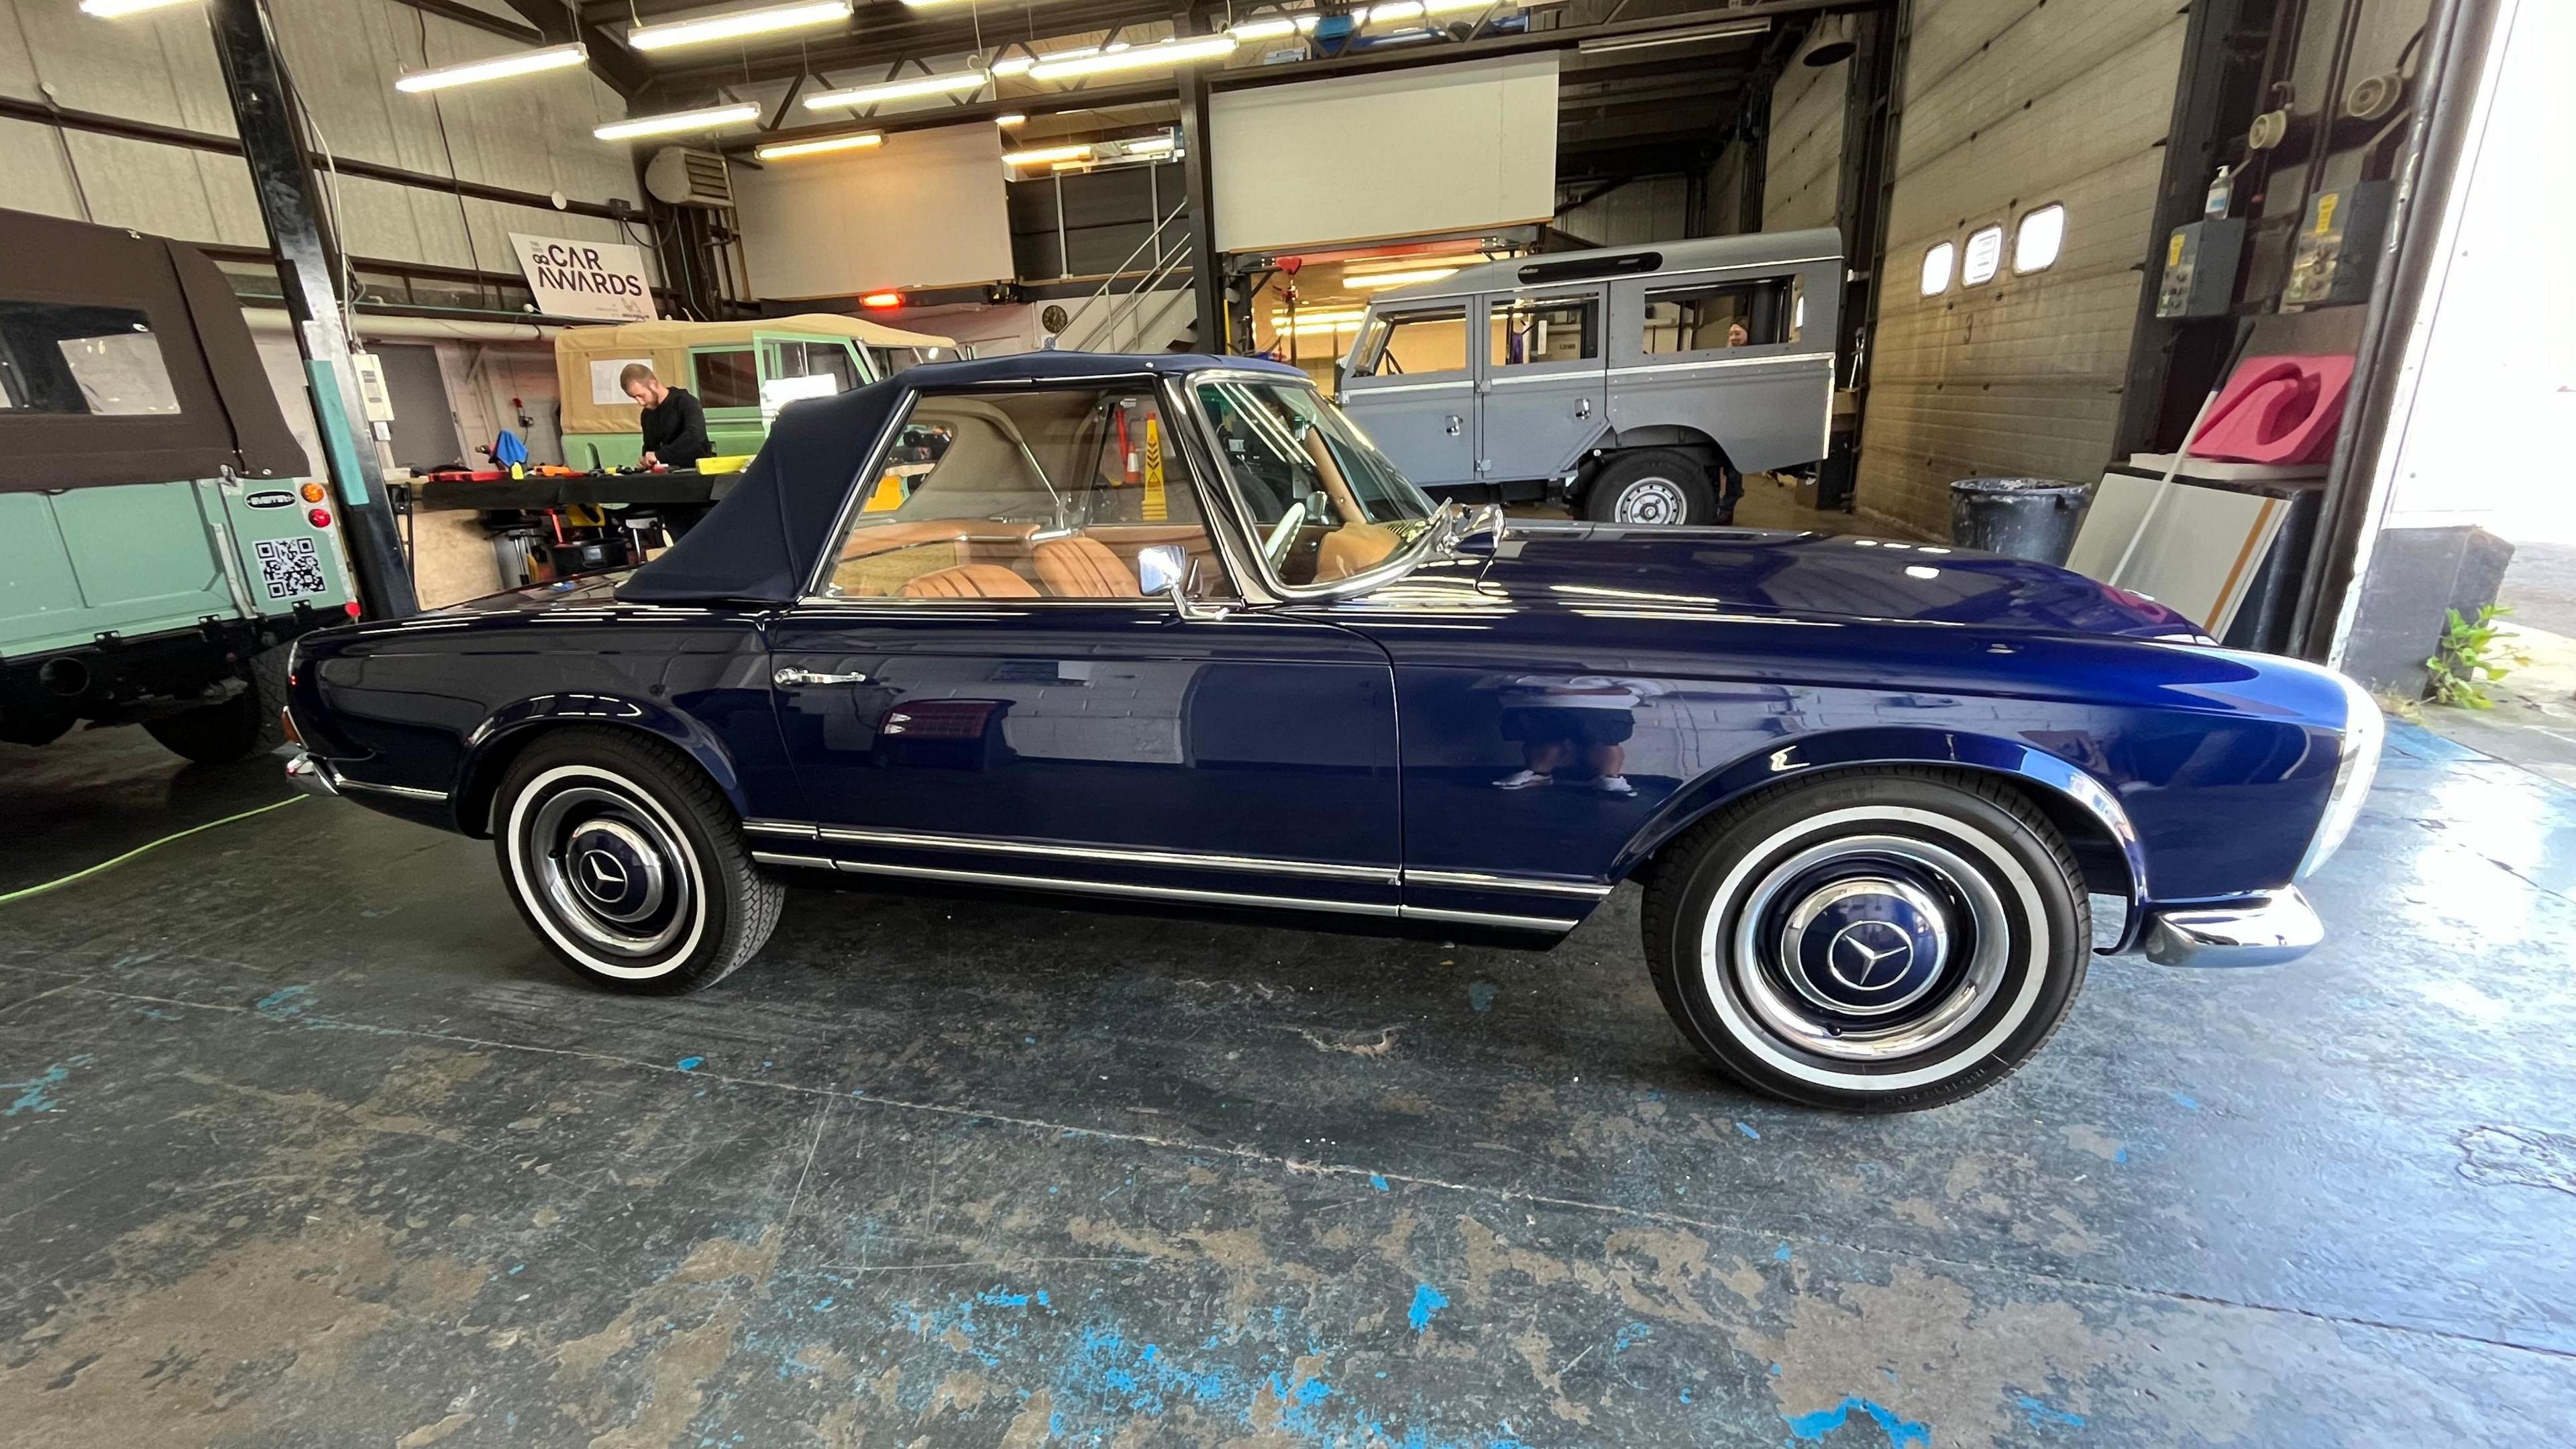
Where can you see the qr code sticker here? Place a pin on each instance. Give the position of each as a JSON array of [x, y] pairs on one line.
[[289, 566]]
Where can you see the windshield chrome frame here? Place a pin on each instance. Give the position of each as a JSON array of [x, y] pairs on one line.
[[1445, 516]]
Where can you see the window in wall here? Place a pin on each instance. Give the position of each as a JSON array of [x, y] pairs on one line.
[[1985, 256], [727, 378], [2039, 238], [1711, 318], [101, 361], [1937, 266], [1543, 329], [1415, 343]]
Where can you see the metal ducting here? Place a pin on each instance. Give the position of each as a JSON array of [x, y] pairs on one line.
[[687, 176]]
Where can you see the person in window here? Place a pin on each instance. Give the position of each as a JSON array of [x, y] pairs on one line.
[[675, 427], [1737, 334]]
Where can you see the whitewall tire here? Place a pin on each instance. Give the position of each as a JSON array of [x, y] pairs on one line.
[[628, 863], [1875, 940]]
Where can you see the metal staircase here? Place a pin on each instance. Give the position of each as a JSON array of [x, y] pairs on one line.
[[1124, 318]]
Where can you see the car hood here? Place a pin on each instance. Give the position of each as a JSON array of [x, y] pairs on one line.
[[1727, 570]]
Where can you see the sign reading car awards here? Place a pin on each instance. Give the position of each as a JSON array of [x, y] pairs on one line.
[[585, 279]]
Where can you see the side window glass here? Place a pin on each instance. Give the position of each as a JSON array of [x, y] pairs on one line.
[[1544, 329], [818, 359], [1037, 494], [1421, 342], [1713, 317], [727, 377], [100, 361]]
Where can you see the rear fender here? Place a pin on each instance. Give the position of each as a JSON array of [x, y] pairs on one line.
[[2059, 787], [510, 729]]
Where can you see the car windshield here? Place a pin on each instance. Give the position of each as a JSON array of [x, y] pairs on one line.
[[1326, 503]]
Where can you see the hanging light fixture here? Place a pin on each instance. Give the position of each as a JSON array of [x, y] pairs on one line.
[[118, 9], [1044, 154], [789, 150], [705, 118], [902, 90], [1161, 54], [497, 67], [735, 24]]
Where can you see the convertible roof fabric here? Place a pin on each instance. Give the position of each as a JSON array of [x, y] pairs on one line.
[[762, 542]]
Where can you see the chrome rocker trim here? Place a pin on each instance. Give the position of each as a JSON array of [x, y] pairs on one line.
[[313, 775], [2263, 930]]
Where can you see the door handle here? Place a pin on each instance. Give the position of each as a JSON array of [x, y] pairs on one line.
[[1583, 407], [789, 678], [1454, 424]]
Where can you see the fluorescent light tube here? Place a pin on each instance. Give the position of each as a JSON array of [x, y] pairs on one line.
[[1375, 280], [734, 24], [1273, 27], [1044, 154], [498, 67], [112, 9], [1162, 53], [789, 150], [1012, 119], [901, 90], [705, 118]]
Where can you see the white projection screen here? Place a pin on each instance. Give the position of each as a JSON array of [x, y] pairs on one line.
[[1435, 149], [923, 210]]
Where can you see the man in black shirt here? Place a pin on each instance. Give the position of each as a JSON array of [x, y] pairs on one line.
[[675, 427]]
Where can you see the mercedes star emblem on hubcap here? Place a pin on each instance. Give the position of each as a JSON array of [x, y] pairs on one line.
[[1869, 955], [602, 873]]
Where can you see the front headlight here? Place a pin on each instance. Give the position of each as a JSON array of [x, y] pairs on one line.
[[2363, 730]]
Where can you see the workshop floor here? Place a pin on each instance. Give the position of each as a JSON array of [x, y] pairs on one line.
[[303, 1142]]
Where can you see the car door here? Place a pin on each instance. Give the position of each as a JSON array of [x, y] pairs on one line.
[[1543, 391], [982, 695], [1745, 355], [1411, 389]]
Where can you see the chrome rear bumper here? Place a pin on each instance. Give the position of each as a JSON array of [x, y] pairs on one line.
[[2260, 930], [310, 775]]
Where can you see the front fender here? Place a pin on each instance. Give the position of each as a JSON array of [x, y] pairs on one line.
[[489, 749], [2055, 780]]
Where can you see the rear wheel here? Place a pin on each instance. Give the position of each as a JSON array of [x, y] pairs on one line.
[[1652, 486], [1875, 941], [629, 864], [241, 726]]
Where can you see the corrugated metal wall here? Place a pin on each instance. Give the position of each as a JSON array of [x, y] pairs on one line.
[[1803, 180], [2010, 105]]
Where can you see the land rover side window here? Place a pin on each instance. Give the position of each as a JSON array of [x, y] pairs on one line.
[[1714, 317], [817, 359], [1543, 329], [728, 377], [61, 358], [1411, 344], [1025, 494]]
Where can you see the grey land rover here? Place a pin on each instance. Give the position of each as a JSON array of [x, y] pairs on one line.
[[1637, 384]]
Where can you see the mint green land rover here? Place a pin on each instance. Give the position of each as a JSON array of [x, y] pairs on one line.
[[160, 538]]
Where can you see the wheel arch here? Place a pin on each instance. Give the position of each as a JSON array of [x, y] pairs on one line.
[[509, 731], [2082, 808], [1699, 446]]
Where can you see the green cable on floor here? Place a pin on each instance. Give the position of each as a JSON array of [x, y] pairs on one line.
[[85, 873]]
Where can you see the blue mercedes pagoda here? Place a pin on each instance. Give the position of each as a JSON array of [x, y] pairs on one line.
[[1169, 630]]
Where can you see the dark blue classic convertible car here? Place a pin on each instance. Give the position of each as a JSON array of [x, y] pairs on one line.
[[1169, 630]]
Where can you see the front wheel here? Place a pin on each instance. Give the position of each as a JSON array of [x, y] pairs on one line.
[[1875, 941], [629, 864], [1653, 486]]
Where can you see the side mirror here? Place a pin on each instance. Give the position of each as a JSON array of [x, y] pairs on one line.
[[1163, 569]]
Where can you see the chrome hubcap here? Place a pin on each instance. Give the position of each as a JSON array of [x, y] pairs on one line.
[[1870, 947], [609, 870], [1650, 500]]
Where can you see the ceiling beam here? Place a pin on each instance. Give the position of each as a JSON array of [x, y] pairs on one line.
[[483, 20], [1103, 98], [908, 32], [619, 68]]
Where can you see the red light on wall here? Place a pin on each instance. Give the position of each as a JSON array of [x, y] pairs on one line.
[[882, 300], [321, 517]]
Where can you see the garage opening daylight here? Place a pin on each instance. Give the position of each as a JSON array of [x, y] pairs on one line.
[[1286, 724]]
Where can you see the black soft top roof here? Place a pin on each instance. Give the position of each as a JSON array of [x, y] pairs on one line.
[[761, 543], [228, 415]]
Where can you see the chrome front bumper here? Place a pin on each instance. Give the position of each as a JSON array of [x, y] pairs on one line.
[[2263, 930], [308, 774]]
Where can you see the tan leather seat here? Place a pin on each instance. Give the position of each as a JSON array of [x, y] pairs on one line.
[[969, 581], [1082, 568], [1353, 548]]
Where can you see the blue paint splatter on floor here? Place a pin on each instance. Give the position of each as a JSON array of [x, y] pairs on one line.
[[2042, 1415], [1630, 1335], [1747, 1129], [1378, 1180], [2120, 1156], [1480, 995], [1781, 1254], [36, 1094], [1901, 1433], [284, 1001], [1427, 1301], [691, 1064]]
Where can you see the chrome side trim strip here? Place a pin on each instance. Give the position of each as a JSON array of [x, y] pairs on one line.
[[1410, 387], [1713, 363], [1487, 918], [780, 827], [772, 857], [1113, 888], [407, 792], [1479, 881], [1516, 377], [1184, 859]]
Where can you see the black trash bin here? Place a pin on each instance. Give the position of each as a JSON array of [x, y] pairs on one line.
[[2031, 518]]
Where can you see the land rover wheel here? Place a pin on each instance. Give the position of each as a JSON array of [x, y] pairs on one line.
[[243, 725], [1876, 941], [1653, 486], [628, 863]]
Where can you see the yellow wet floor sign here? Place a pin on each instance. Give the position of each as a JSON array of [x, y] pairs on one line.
[[1156, 509], [887, 496]]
